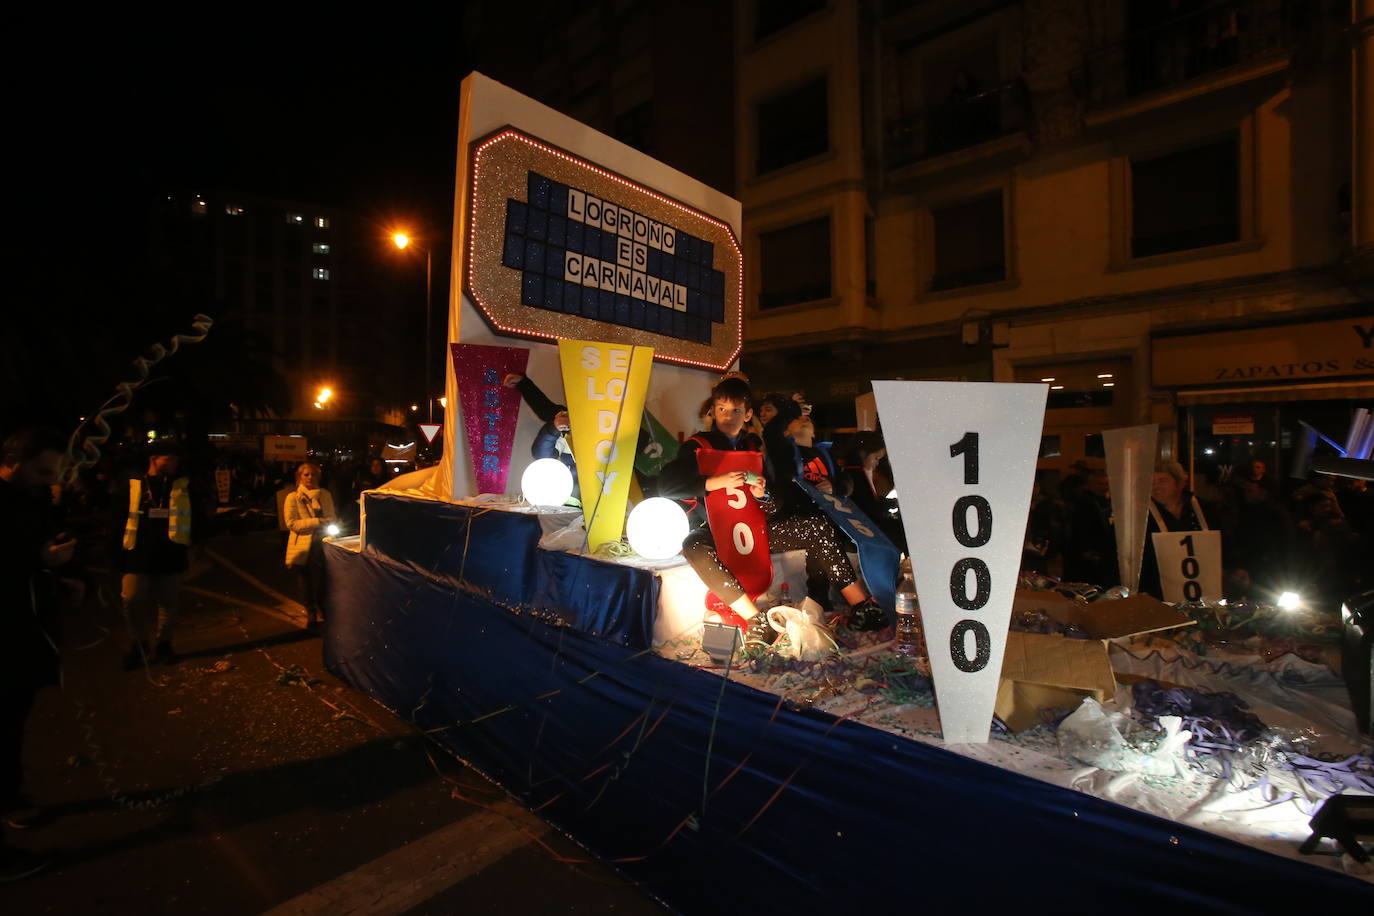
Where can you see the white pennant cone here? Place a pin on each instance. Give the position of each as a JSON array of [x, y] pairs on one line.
[[963, 455]]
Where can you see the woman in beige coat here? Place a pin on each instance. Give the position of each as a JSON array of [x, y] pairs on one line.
[[308, 510]]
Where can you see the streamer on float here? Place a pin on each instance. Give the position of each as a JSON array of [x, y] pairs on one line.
[[122, 398]]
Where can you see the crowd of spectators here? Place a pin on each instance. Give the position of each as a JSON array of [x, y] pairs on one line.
[[1315, 535]]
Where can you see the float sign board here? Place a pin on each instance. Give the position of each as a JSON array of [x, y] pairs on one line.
[[559, 247], [963, 455], [284, 448]]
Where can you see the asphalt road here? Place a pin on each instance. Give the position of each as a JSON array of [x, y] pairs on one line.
[[244, 778]]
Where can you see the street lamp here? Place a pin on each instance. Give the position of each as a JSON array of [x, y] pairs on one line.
[[403, 241]]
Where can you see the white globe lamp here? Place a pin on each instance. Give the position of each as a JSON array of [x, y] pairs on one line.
[[546, 482], [656, 528]]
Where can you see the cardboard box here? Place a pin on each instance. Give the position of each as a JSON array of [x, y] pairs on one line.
[[1133, 616], [1042, 671]]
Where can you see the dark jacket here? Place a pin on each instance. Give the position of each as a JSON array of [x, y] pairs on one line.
[[682, 481], [787, 461], [1091, 553], [154, 552], [28, 596], [1185, 521], [545, 443]]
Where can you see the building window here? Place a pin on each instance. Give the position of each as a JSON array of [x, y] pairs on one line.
[[320, 273], [295, 219], [1186, 199], [320, 248], [321, 222], [970, 246], [774, 15], [233, 211], [796, 264], [793, 126]]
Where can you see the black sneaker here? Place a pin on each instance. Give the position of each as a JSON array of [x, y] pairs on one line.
[[18, 864], [760, 631], [867, 616]]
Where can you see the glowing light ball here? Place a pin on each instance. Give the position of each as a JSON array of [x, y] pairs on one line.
[[1290, 601], [656, 528], [546, 482], [332, 531]]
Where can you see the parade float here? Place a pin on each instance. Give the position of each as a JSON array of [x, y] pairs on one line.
[[1058, 750]]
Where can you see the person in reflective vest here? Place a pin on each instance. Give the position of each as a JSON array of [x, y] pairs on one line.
[[157, 536]]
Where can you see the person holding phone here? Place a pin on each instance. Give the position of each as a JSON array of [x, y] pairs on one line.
[[309, 511], [30, 549]]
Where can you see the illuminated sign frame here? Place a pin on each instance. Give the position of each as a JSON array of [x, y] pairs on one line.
[[500, 165]]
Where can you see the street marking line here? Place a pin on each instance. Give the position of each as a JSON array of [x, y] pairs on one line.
[[422, 869], [292, 615], [283, 601]]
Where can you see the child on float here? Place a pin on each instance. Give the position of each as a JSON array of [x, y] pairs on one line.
[[869, 478], [789, 441], [731, 412], [552, 439], [792, 454]]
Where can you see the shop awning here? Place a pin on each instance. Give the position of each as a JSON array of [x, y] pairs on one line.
[[1250, 394]]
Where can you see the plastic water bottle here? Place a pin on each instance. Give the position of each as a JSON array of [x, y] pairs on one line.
[[785, 596], [909, 641]]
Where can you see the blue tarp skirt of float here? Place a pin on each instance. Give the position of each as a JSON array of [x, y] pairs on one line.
[[716, 797]]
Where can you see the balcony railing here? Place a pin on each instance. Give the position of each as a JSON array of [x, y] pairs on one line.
[[1213, 37], [957, 124]]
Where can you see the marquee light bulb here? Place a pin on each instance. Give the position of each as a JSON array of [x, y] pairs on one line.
[[696, 214]]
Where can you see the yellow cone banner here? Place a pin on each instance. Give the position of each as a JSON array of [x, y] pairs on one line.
[[605, 385]]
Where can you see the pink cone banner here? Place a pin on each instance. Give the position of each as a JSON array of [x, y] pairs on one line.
[[490, 409]]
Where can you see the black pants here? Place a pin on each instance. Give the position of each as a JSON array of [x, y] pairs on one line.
[[825, 558], [16, 700], [311, 574]]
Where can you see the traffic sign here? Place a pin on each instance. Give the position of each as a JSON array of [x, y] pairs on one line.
[[430, 431]]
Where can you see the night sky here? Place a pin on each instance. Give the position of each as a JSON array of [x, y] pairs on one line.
[[358, 112], [361, 115]]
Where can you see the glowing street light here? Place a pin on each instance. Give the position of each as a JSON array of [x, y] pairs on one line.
[[402, 241]]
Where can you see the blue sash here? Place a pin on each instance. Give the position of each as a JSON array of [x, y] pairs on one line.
[[878, 557]]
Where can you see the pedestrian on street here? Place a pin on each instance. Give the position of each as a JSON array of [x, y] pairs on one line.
[[1090, 555], [307, 511], [156, 544], [30, 549]]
